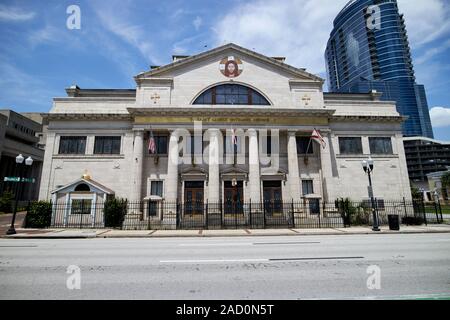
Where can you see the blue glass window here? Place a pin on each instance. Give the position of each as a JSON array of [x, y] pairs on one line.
[[231, 94]]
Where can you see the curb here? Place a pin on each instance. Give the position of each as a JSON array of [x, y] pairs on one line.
[[152, 235]]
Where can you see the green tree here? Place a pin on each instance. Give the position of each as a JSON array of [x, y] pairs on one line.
[[115, 210], [445, 180], [39, 215], [6, 201], [415, 193]]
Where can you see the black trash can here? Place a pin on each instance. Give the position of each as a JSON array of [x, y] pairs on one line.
[[394, 222]]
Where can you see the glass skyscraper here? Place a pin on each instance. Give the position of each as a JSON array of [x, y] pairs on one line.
[[368, 50]]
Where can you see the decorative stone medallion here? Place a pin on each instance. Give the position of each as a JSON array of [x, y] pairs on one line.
[[231, 66]]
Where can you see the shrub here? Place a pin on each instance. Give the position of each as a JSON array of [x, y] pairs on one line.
[[346, 209], [361, 217], [39, 215], [412, 221], [115, 211], [416, 194], [6, 202]]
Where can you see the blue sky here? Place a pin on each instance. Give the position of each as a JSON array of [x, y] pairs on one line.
[[39, 56]]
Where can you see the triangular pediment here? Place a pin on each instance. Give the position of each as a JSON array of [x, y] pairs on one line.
[[93, 185], [230, 49]]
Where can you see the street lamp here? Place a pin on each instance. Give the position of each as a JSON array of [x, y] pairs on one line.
[[368, 168], [28, 162]]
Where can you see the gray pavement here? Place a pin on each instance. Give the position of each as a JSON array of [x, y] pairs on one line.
[[253, 267], [111, 233]]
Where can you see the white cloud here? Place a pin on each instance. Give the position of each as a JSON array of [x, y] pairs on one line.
[[297, 29], [440, 117], [433, 51], [14, 14], [115, 18], [18, 85], [426, 21], [197, 22]]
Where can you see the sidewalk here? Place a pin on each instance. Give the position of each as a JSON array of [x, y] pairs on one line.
[[110, 233]]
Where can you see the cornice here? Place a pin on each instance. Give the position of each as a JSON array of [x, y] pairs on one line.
[[220, 111], [86, 116], [368, 118]]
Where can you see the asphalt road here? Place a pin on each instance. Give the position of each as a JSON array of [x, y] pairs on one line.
[[296, 267]]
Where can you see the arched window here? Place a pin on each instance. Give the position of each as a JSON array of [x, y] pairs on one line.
[[82, 187], [231, 94]]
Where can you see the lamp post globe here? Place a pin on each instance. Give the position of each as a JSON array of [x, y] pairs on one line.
[[29, 161], [19, 159]]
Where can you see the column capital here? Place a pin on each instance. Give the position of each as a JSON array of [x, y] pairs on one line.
[[292, 132], [252, 132], [138, 131]]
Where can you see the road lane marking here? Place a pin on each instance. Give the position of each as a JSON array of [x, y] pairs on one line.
[[214, 260], [222, 244], [19, 246], [314, 258], [228, 244], [256, 260], [280, 243]]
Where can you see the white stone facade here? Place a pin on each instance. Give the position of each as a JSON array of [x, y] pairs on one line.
[[164, 102]]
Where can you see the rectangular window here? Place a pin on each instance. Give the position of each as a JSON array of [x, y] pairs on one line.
[[156, 188], [107, 145], [81, 206], [72, 145], [307, 187], [379, 203], [305, 145], [153, 208], [380, 145], [160, 144], [350, 145]]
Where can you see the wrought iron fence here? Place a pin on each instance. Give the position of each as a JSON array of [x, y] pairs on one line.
[[307, 213]]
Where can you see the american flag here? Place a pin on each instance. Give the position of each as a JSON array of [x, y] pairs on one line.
[[151, 144], [318, 137]]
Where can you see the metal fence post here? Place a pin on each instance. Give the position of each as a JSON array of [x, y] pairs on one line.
[[440, 211], [264, 216], [436, 210], [177, 214], [320, 225], [292, 213], [250, 212], [404, 206], [206, 214], [424, 213]]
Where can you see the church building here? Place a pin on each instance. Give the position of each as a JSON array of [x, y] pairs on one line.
[[225, 127]]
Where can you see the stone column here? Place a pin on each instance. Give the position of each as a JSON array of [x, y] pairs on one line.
[[254, 177], [138, 160], [213, 177], [326, 169], [293, 175], [171, 184], [48, 167]]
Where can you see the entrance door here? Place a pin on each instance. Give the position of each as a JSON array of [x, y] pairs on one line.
[[193, 197], [273, 202], [233, 197]]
